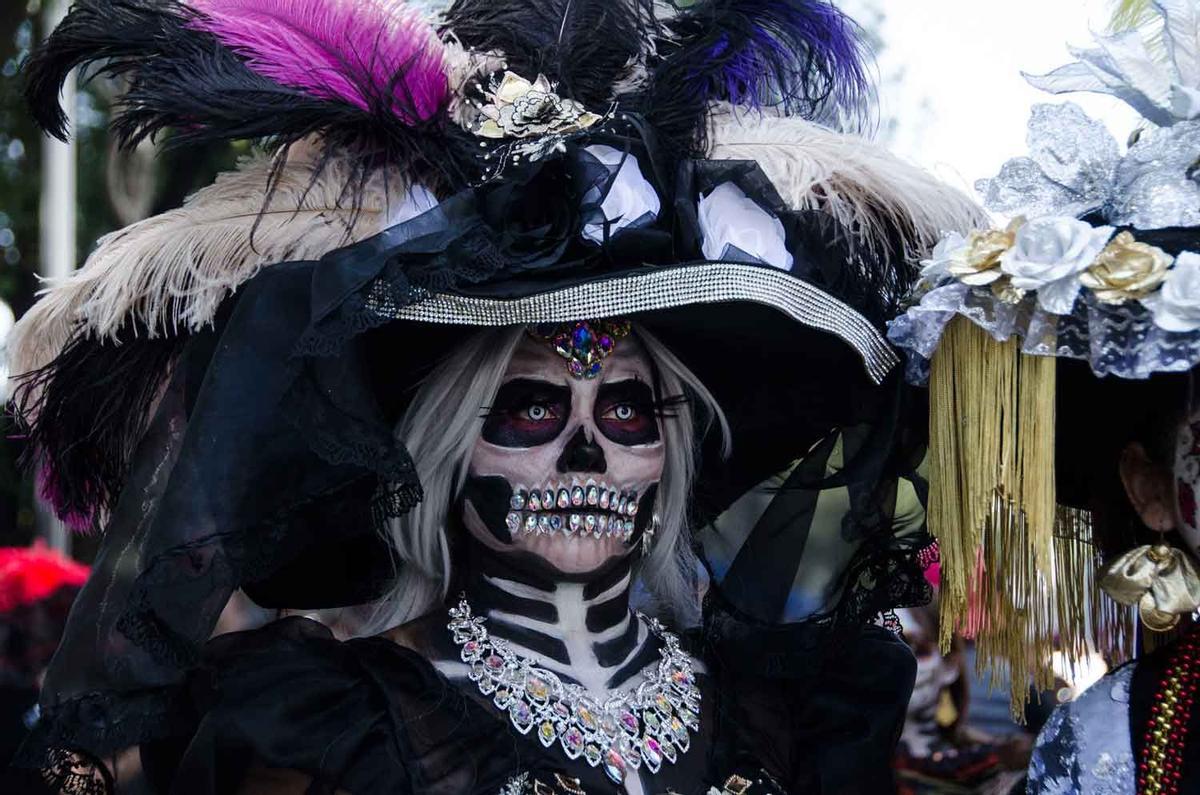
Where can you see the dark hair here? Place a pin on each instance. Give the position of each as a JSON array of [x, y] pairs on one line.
[[1098, 418]]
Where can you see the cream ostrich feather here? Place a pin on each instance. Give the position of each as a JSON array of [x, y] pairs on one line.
[[860, 184], [172, 271]]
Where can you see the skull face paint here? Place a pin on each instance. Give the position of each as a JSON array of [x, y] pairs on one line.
[[579, 459], [1187, 483]]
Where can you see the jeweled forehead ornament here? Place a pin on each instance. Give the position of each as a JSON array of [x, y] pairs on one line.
[[585, 344]]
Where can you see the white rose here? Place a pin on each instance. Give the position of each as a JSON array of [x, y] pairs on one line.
[[734, 227], [417, 200], [631, 201], [1049, 254], [950, 249], [1176, 307]]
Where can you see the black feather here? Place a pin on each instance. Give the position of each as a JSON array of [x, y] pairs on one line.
[[93, 405], [119, 31], [185, 80], [585, 46], [874, 282]]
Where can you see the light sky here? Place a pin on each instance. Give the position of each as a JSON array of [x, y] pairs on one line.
[[962, 106]]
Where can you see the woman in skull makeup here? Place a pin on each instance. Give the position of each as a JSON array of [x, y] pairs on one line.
[[1064, 351], [522, 346]]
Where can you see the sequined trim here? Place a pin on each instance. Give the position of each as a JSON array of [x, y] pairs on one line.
[[711, 283]]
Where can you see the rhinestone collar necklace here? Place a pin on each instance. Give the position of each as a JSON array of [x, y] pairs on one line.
[[647, 725]]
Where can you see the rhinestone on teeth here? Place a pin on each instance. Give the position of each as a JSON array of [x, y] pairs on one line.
[[554, 509]]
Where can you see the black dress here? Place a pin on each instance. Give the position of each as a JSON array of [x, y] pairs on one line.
[[369, 716]]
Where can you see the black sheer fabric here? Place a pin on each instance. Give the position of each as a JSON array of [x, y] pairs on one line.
[[225, 489], [368, 716], [271, 454]]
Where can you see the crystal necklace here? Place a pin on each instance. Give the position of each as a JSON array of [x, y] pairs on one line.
[[646, 725]]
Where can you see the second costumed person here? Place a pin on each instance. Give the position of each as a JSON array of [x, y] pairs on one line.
[[1061, 355]]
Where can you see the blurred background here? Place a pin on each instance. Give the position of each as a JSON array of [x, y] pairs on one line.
[[952, 99]]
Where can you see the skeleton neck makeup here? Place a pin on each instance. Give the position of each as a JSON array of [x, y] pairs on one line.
[[561, 489], [581, 628]]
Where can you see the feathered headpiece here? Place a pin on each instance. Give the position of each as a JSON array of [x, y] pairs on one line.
[[376, 114]]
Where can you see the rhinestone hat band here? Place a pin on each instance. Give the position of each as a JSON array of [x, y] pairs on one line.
[[585, 344]]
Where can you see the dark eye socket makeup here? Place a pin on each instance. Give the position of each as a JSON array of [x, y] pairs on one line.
[[626, 412], [528, 413]]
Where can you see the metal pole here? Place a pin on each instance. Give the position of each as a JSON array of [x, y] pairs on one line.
[[57, 234]]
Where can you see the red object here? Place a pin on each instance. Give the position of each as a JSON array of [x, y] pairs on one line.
[[31, 574]]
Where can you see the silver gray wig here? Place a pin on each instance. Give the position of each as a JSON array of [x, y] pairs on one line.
[[440, 429]]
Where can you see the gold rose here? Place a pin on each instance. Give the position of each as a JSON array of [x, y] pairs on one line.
[[979, 262], [1126, 270]]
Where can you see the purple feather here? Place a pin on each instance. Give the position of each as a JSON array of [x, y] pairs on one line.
[[371, 54], [798, 54], [49, 489]]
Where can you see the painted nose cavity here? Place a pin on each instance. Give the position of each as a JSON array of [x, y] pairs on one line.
[[582, 455]]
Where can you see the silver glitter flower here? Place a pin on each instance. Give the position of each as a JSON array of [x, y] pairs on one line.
[[1070, 168], [521, 109]]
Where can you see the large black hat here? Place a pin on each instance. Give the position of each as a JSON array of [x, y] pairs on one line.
[[217, 389]]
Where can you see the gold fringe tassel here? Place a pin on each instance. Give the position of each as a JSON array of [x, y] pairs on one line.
[[1019, 573]]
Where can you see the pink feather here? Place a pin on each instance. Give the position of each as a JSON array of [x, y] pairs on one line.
[[358, 51]]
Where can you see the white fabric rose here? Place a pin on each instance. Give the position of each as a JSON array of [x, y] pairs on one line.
[[1176, 307], [631, 201], [950, 249], [417, 200], [736, 227], [1049, 254]]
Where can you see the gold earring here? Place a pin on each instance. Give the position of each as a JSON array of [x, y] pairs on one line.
[[1160, 579]]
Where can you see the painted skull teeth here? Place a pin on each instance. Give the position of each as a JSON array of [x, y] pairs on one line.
[[576, 509], [597, 525]]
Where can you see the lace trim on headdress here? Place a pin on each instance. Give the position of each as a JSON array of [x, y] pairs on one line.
[[1121, 341]]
